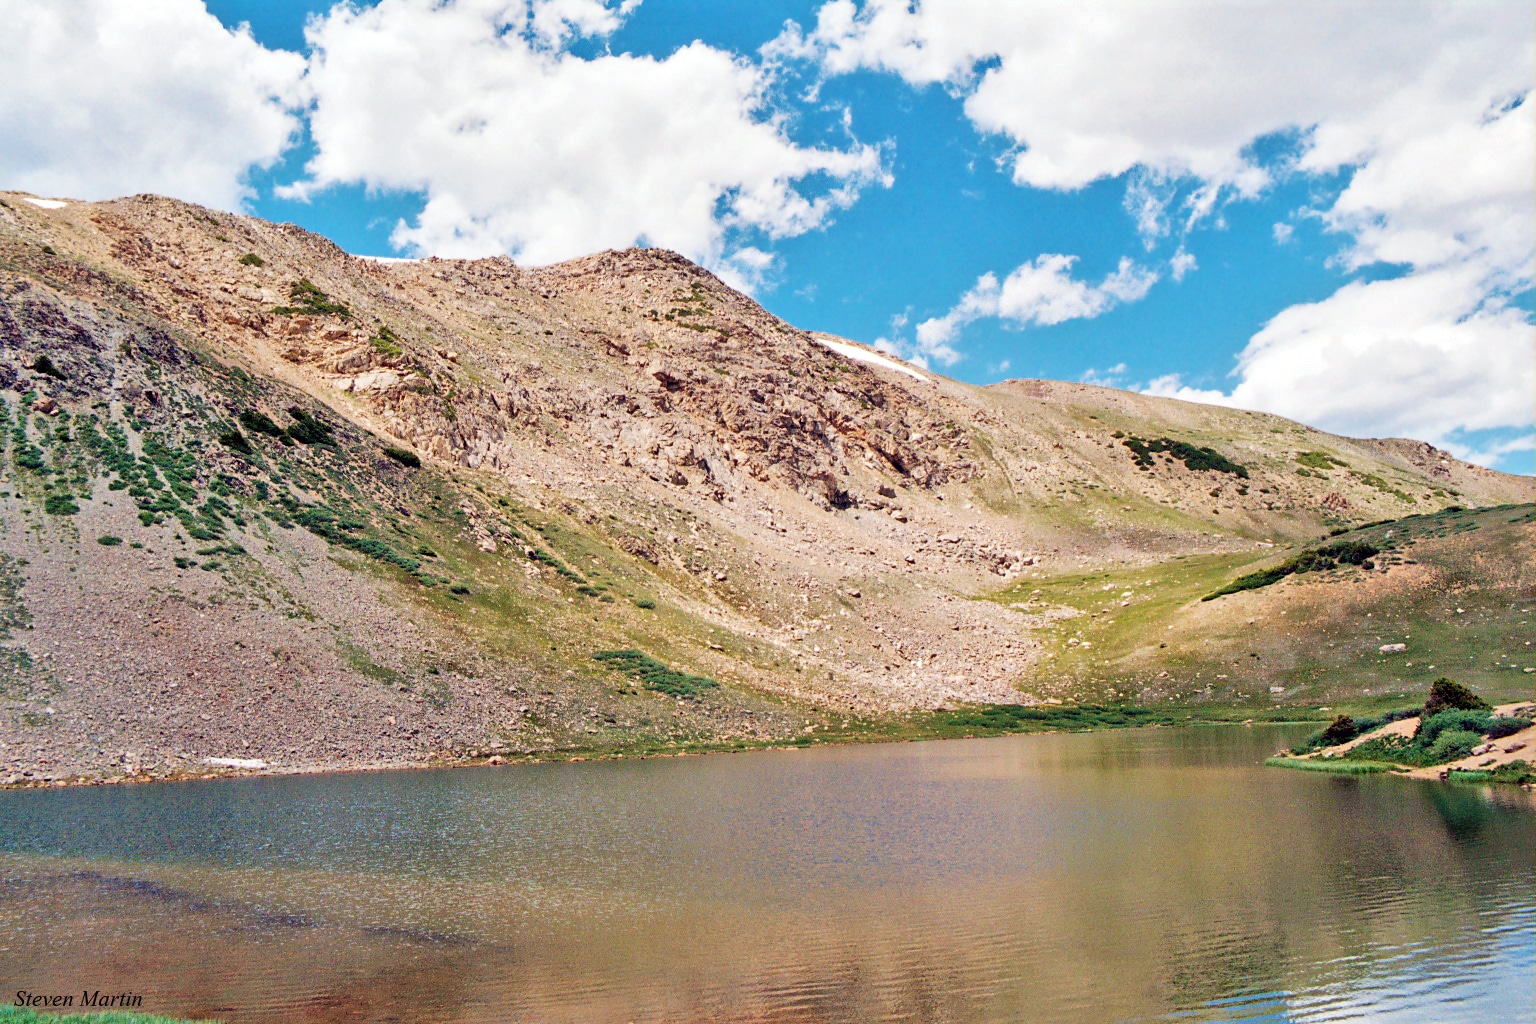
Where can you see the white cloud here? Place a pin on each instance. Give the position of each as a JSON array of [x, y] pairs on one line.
[[101, 99], [1424, 108], [1182, 263], [1039, 293], [1426, 355], [524, 148]]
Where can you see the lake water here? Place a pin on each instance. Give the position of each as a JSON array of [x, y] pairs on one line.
[[1123, 876]]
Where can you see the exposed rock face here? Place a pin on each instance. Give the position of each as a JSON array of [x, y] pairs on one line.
[[808, 528]]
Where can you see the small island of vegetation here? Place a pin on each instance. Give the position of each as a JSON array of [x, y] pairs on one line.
[[1455, 734]]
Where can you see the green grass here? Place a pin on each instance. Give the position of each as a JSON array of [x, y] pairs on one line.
[[16, 1015], [1332, 767]]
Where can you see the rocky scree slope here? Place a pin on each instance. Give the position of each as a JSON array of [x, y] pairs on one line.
[[266, 500]]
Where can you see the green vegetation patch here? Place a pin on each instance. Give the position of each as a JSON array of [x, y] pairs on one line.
[[1319, 460], [17, 1015], [656, 676], [337, 529], [250, 259], [386, 342], [1194, 458], [1332, 766], [42, 364], [1452, 724], [1344, 552], [308, 429], [404, 457], [260, 423], [309, 300]]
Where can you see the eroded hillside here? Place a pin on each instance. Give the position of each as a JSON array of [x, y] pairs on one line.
[[267, 500]]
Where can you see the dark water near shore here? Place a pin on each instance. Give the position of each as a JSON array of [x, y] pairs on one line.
[[1127, 876]]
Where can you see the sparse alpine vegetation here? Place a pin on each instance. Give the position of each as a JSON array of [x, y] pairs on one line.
[[1351, 552], [1194, 458]]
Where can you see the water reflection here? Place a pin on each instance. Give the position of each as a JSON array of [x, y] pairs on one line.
[[1117, 876]]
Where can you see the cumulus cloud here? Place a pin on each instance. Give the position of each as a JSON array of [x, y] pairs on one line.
[[522, 147], [1036, 294], [101, 98], [1426, 355], [1422, 107]]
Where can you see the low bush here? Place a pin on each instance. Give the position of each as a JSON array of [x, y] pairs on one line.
[[1444, 694], [404, 457], [1344, 552], [1453, 745], [60, 505], [107, 540], [260, 423], [653, 675], [250, 259], [42, 364], [310, 300], [386, 342], [1196, 459], [645, 602], [307, 429], [1340, 730], [1506, 725], [235, 441]]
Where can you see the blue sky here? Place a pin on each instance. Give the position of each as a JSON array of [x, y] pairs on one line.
[[1309, 258]]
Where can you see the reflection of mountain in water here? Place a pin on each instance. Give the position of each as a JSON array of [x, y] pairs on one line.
[[1084, 878]]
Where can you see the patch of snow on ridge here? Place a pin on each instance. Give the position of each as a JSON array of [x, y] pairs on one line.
[[47, 204], [235, 762], [860, 354], [387, 259]]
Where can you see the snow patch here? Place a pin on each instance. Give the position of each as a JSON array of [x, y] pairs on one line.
[[860, 354], [387, 259], [234, 762], [47, 204]]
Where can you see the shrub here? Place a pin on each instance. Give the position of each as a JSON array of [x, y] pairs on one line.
[[310, 300], [1340, 730], [459, 588], [386, 342], [106, 540], [260, 423], [250, 259], [60, 505], [306, 429], [42, 364], [1196, 459], [645, 602], [1346, 552], [1454, 744], [1431, 726], [404, 457], [1445, 694], [1318, 460], [235, 440], [1506, 725]]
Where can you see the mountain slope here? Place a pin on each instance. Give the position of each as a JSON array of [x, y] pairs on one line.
[[374, 512]]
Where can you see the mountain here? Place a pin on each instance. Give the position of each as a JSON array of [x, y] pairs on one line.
[[265, 500]]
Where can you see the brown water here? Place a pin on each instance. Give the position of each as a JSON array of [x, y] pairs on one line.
[[1124, 876]]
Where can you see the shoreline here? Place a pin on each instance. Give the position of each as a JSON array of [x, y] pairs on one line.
[[933, 727]]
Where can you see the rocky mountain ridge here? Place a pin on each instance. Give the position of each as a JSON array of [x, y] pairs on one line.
[[433, 489]]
